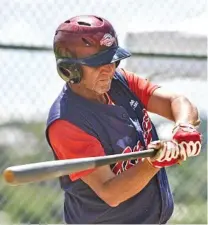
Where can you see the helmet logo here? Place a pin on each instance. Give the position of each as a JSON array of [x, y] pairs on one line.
[[107, 40]]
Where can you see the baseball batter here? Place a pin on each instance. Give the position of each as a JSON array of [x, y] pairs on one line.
[[103, 110]]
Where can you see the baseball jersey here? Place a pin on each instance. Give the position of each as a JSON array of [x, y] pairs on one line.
[[67, 139], [77, 127]]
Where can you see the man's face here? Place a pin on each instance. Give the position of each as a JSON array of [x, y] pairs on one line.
[[98, 79]]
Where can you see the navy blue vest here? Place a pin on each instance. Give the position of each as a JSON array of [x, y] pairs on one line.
[[120, 128]]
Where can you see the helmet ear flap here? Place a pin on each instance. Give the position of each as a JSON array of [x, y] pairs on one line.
[[69, 72]]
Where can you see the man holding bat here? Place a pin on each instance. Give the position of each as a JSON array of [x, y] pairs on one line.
[[103, 110]]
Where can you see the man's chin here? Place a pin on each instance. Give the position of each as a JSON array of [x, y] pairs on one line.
[[103, 90]]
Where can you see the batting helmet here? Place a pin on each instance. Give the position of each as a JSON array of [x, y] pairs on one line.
[[85, 40]]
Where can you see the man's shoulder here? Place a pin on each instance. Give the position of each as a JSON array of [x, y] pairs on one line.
[[56, 108]]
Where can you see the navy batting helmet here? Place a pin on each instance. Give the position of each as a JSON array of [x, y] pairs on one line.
[[85, 40]]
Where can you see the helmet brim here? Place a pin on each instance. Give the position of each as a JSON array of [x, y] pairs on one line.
[[107, 56]]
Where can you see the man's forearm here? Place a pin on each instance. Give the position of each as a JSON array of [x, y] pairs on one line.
[[130, 182], [184, 111]]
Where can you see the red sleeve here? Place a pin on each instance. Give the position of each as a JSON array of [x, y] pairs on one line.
[[141, 87], [70, 142]]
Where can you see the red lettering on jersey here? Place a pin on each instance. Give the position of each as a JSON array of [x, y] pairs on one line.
[[147, 127], [125, 165]]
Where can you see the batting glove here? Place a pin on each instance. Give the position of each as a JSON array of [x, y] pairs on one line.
[[188, 139], [168, 153]]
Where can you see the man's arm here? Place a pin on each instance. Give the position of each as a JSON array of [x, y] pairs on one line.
[[115, 189], [174, 107], [185, 115], [162, 102]]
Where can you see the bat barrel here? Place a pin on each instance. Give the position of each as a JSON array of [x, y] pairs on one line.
[[34, 172]]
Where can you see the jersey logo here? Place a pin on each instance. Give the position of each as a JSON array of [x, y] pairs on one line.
[[133, 104]]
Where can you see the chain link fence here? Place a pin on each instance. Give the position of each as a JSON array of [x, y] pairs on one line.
[[168, 44]]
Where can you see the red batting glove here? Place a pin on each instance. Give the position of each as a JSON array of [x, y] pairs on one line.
[[168, 153], [188, 139]]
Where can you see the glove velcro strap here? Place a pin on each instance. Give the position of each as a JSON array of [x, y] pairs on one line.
[[184, 126]]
